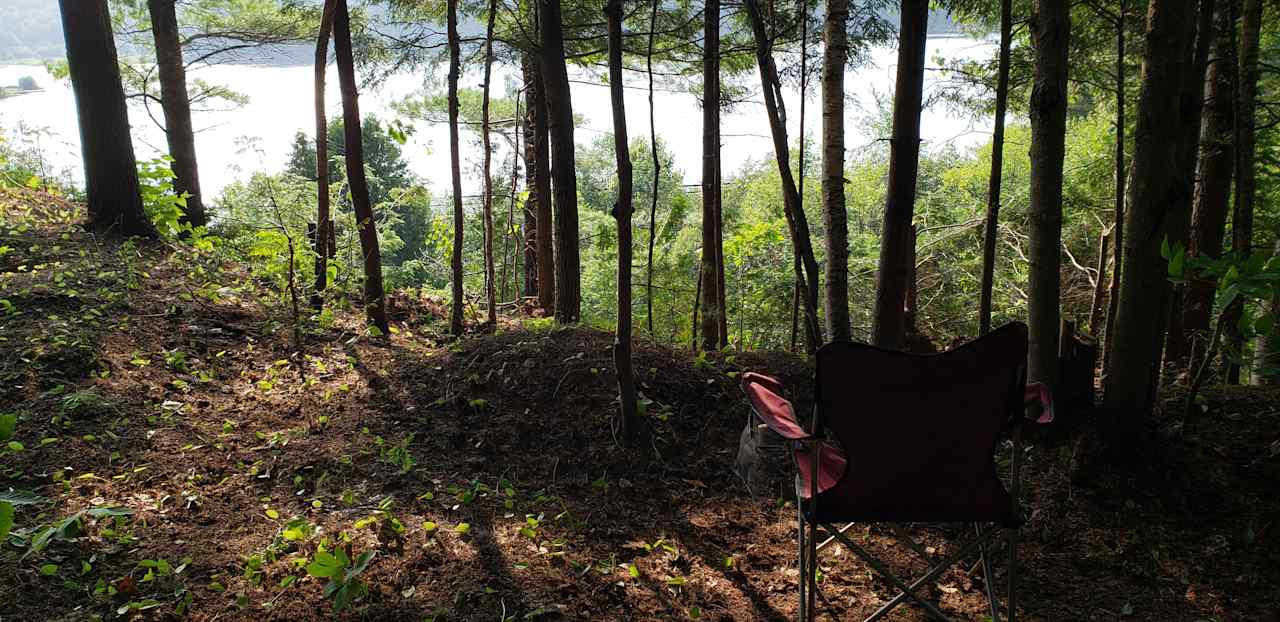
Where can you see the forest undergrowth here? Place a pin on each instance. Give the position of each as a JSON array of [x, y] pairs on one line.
[[170, 450]]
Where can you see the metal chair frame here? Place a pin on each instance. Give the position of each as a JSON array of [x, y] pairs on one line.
[[985, 534]]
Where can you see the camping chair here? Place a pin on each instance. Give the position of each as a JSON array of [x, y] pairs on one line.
[[915, 439]]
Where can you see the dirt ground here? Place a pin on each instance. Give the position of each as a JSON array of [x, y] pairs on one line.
[[486, 477]]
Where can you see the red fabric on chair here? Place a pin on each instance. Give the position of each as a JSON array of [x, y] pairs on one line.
[[768, 403], [831, 465], [920, 432]]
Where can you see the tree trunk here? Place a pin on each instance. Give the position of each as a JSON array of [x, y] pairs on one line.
[[455, 161], [110, 168], [991, 228], [1213, 196], [324, 221], [1051, 32], [1192, 100], [1096, 308], [835, 55], [531, 191], [178, 128], [1246, 168], [357, 184], [1117, 231], [1266, 356], [539, 164], [887, 327], [1155, 186], [711, 302], [622, 212], [713, 40], [489, 286], [555, 81], [793, 209]]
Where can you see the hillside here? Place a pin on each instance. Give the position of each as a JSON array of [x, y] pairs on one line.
[[158, 389]]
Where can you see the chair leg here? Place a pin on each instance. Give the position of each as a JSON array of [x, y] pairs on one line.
[[811, 573], [802, 550], [992, 604], [907, 591], [1013, 574]]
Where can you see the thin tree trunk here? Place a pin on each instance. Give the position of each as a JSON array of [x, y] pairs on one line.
[[455, 162], [1192, 99], [555, 80], [531, 200], [622, 212], [1266, 357], [357, 183], [110, 168], [1096, 308], [792, 206], [1155, 186], [324, 221], [1117, 242], [991, 228], [834, 57], [891, 278], [511, 238], [1213, 197], [178, 129], [657, 164], [1246, 169], [490, 296], [710, 305], [540, 188], [1051, 33]]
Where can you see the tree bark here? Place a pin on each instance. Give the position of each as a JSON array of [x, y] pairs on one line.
[[531, 201], [711, 304], [1096, 308], [834, 59], [1117, 231], [489, 286], [653, 151], [324, 221], [1266, 356], [1051, 32], [1213, 196], [793, 209], [179, 131], [110, 168], [540, 188], [1192, 106], [622, 212], [455, 162], [357, 182], [555, 80], [1155, 186], [991, 228], [887, 326], [1246, 168]]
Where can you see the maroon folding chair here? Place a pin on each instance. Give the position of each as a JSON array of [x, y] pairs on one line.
[[907, 438]]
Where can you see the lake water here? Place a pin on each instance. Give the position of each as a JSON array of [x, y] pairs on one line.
[[233, 143]]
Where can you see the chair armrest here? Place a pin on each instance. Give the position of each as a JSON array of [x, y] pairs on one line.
[[775, 411]]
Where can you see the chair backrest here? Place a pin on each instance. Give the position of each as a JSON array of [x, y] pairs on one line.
[[920, 431]]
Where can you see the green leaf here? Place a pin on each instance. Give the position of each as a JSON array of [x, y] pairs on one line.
[[325, 565], [463, 529], [1164, 248], [362, 562], [273, 514], [634, 571], [8, 423], [49, 570], [108, 511], [6, 521], [21, 497], [1177, 264]]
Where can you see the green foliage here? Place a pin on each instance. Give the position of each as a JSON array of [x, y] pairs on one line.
[[343, 574], [164, 206]]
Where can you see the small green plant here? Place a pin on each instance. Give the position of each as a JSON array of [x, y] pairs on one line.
[[397, 454], [164, 206], [343, 575]]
